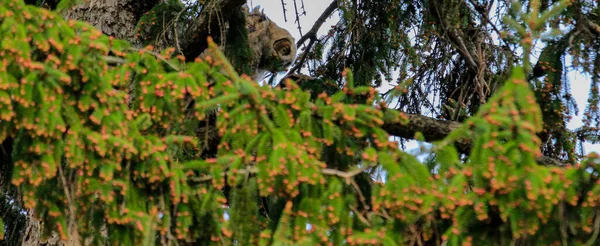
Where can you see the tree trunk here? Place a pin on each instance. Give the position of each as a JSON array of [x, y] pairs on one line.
[[117, 18]]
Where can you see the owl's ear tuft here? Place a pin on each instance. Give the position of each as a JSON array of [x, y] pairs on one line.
[[256, 11]]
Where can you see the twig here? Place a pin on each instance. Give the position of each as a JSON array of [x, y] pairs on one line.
[[455, 39], [72, 227], [312, 35], [359, 216], [113, 60], [284, 10], [160, 57], [302, 7], [175, 31], [326, 171], [487, 19], [596, 229], [383, 214], [345, 175], [361, 197], [297, 17]]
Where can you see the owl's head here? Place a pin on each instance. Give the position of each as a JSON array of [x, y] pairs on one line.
[[274, 48]]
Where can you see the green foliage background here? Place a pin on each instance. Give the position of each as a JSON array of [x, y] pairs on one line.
[[89, 159]]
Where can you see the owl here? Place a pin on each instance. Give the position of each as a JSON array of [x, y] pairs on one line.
[[273, 48]]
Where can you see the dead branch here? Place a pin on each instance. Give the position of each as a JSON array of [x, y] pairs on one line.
[[302, 58], [326, 171], [312, 33]]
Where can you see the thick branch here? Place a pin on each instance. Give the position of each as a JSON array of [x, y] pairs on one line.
[[435, 130], [208, 24], [432, 129], [593, 27]]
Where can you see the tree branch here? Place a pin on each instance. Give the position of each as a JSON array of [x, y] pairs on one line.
[[435, 130], [313, 31], [207, 24], [326, 171], [593, 27], [302, 58]]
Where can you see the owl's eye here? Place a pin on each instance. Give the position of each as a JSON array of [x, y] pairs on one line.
[[282, 47]]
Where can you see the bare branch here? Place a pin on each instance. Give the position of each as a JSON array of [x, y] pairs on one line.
[[300, 62], [360, 216], [312, 34], [298, 17], [344, 175], [327, 171], [284, 10]]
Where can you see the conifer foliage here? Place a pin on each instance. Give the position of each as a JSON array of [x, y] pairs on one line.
[[103, 149]]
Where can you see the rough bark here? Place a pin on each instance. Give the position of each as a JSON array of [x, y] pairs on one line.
[[117, 18], [33, 232], [432, 129]]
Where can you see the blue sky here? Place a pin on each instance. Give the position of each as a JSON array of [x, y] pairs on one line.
[[580, 83]]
